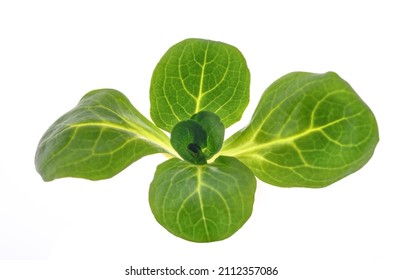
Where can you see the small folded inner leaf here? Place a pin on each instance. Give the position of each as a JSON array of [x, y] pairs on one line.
[[188, 139], [196, 140]]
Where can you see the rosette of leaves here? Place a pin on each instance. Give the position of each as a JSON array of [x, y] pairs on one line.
[[308, 130]]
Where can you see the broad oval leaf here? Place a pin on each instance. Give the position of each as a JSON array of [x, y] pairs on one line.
[[202, 203], [309, 130], [199, 75], [97, 139]]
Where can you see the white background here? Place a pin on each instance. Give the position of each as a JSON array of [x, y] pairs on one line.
[[53, 52]]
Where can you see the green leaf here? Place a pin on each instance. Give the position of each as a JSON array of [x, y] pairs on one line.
[[309, 130], [202, 203], [214, 129], [199, 75], [199, 138], [97, 139], [188, 139]]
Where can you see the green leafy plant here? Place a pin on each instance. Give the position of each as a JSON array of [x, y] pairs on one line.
[[308, 130]]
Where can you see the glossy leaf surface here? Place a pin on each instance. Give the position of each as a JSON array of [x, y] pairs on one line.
[[308, 130], [199, 75], [97, 139], [202, 203]]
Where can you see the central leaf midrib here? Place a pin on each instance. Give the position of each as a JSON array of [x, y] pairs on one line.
[[201, 88], [199, 187], [253, 147], [131, 130], [131, 124]]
